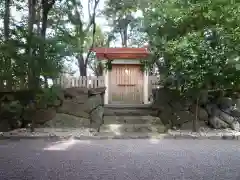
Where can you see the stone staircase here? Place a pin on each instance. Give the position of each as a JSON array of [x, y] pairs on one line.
[[130, 119]]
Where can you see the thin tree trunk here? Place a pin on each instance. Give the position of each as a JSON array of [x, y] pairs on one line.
[[122, 38], [22, 82], [31, 62], [81, 62], [45, 82], [82, 65], [6, 36], [45, 10], [194, 125], [46, 7], [38, 18], [125, 37]]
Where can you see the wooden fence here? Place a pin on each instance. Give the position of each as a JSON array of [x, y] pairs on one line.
[[96, 82], [153, 82], [82, 81]]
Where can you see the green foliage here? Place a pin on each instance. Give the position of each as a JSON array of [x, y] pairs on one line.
[[198, 41], [47, 97], [12, 107], [123, 23], [108, 65], [21, 62], [100, 40], [77, 33]]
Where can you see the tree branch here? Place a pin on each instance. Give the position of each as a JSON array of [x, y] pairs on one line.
[[94, 31], [75, 19], [89, 14], [92, 17]]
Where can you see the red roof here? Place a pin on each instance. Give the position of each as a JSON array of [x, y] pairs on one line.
[[121, 53]]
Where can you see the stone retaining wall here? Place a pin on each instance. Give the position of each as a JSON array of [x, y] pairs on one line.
[[81, 105], [178, 112], [75, 107]]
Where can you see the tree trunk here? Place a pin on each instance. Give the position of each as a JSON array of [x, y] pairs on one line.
[[125, 37], [7, 60], [100, 69], [32, 68], [22, 82], [45, 82], [32, 81], [82, 65], [122, 38], [46, 7], [194, 127]]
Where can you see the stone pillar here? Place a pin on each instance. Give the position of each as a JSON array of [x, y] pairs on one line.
[[145, 87]]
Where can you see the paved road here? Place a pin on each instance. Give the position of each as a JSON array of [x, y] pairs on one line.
[[120, 160]]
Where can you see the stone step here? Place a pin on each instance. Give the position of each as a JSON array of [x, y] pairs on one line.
[[128, 106], [131, 120], [129, 112], [119, 129]]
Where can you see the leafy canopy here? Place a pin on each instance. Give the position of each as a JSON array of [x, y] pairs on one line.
[[198, 40]]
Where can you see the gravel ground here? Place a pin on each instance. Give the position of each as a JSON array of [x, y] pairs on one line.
[[120, 160], [91, 134]]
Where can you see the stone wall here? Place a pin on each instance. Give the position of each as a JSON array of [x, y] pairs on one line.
[[19, 108], [75, 107], [81, 107], [177, 111]]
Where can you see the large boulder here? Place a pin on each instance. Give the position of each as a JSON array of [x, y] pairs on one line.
[[176, 106], [165, 114], [163, 96], [73, 108], [225, 103], [40, 116], [189, 125], [172, 108], [95, 91], [203, 98], [226, 118], [217, 123], [237, 101], [84, 103], [211, 108], [67, 121], [10, 115], [4, 125], [202, 113], [214, 109], [96, 117], [93, 102], [182, 117], [235, 125], [235, 113], [74, 92]]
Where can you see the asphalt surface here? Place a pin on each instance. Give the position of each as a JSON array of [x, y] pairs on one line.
[[120, 160]]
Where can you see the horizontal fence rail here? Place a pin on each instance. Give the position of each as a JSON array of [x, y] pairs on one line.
[[82, 81], [96, 82]]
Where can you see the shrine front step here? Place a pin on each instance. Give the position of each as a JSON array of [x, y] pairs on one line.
[[129, 112], [131, 120]]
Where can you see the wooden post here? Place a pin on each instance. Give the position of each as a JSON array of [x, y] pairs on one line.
[[106, 83], [145, 87]]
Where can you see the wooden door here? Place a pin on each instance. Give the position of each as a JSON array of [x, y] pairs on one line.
[[126, 84]]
